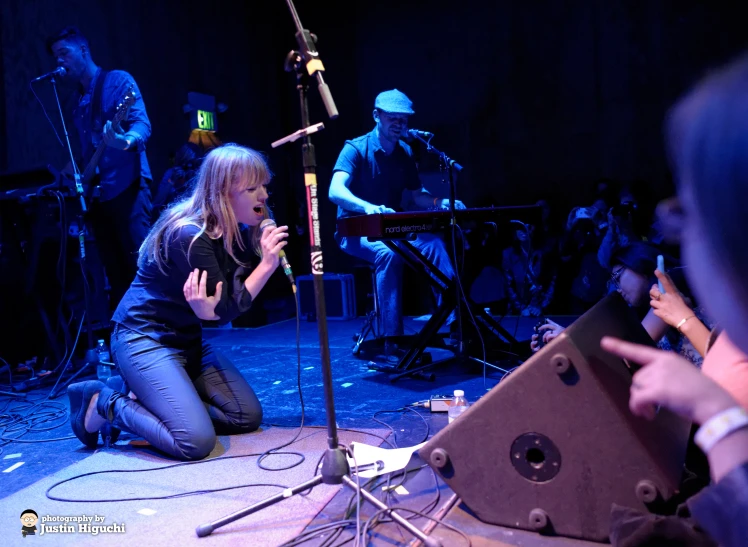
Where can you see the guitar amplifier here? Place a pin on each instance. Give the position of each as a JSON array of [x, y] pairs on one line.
[[340, 297]]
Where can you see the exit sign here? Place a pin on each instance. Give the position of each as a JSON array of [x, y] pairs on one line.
[[203, 112], [206, 120]]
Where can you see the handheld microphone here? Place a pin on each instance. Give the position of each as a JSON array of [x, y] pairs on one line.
[[282, 255], [416, 133], [59, 71]]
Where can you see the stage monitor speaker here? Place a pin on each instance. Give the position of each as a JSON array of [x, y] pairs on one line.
[[554, 445]]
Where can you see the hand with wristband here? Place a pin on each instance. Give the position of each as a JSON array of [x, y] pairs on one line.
[[669, 305], [671, 381]]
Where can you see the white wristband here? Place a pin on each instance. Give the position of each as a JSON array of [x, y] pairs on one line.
[[720, 426]]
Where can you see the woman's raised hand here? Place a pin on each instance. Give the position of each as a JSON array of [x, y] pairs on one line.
[[196, 294]]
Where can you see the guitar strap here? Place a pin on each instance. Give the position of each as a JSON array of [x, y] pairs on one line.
[[97, 122]]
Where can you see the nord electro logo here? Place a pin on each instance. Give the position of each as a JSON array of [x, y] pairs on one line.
[[408, 228]]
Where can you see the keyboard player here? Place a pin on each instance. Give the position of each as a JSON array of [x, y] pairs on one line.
[[370, 176]]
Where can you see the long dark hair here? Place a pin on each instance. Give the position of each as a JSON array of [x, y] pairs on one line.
[[186, 163], [642, 258], [639, 257]]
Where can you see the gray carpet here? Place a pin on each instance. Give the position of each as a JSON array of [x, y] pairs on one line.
[[173, 521]]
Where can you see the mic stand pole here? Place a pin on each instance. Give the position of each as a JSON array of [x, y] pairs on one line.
[[90, 356], [335, 468], [450, 166]]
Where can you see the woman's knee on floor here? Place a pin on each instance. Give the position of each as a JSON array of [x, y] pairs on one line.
[[195, 445], [244, 420]]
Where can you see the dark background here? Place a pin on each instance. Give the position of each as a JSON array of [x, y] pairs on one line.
[[536, 99]]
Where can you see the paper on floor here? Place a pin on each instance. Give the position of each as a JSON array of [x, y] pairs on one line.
[[394, 459]]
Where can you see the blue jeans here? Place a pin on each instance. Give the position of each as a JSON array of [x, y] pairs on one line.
[[184, 395], [388, 271]]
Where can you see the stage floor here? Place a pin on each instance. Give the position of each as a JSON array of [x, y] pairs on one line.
[[364, 399]]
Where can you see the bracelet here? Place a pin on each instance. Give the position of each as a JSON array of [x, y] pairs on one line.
[[720, 426], [683, 322]]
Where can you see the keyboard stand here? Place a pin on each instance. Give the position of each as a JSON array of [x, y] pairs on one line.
[[490, 328]]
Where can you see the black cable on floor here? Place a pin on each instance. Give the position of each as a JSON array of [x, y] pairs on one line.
[[440, 521], [273, 451], [160, 468], [394, 433]]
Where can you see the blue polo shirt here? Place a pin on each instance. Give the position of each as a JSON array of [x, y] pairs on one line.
[[376, 177]]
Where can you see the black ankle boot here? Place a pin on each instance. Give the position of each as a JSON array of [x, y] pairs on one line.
[[80, 396], [109, 433]]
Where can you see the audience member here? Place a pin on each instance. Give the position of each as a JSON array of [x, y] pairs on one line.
[[177, 180], [708, 146], [529, 281], [727, 365], [669, 320], [620, 228], [584, 279]]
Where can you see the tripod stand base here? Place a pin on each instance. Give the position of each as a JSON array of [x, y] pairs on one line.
[[336, 464], [368, 328], [207, 529], [371, 498]]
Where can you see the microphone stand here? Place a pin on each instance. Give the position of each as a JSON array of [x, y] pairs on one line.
[[90, 355], [451, 167], [335, 468]]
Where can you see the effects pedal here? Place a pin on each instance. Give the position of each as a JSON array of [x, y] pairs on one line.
[[439, 403]]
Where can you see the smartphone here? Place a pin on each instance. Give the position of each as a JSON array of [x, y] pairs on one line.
[[661, 267]]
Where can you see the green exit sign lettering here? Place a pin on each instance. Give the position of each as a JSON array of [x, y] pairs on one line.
[[206, 120]]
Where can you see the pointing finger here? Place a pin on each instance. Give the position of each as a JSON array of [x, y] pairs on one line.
[[634, 352]]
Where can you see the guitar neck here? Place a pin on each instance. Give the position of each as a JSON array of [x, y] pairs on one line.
[[92, 163]]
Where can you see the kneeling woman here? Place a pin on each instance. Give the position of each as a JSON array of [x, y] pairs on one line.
[[182, 391]]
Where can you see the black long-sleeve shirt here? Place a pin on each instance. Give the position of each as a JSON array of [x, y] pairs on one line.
[[155, 305]]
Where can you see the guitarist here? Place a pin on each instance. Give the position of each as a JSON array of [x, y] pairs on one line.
[[121, 217]]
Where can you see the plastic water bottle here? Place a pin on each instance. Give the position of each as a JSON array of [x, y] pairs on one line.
[[457, 405], [103, 370]]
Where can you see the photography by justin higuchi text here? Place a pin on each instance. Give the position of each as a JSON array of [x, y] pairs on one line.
[[61, 524]]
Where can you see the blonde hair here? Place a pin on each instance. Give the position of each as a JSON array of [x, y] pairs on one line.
[[208, 207]]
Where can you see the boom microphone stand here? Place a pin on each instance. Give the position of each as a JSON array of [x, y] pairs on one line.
[[335, 468], [90, 354], [481, 318]]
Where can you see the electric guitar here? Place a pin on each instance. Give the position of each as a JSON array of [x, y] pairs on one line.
[[90, 171]]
